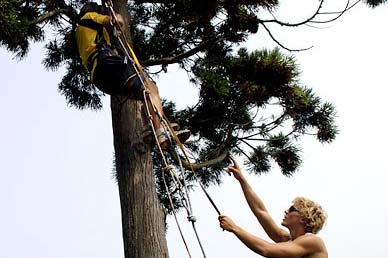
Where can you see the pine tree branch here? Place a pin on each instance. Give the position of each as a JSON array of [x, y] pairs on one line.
[[208, 163], [246, 155], [248, 144], [280, 44], [311, 18], [265, 128], [347, 8], [220, 154], [69, 11], [295, 24], [179, 57]]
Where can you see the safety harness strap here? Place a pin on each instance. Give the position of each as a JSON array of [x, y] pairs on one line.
[[89, 23], [99, 40]]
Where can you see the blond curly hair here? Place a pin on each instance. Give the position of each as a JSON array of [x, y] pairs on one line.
[[312, 212]]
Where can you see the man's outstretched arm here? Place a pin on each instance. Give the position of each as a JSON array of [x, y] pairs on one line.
[[257, 206], [300, 247]]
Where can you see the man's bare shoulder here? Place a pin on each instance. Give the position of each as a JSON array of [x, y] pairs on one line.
[[314, 244]]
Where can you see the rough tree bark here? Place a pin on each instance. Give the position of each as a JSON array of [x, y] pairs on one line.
[[143, 219], [142, 216]]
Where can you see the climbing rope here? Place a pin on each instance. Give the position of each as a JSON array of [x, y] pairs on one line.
[[172, 137], [185, 201]]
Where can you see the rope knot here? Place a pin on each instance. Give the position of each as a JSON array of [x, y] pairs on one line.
[[192, 218], [168, 168]]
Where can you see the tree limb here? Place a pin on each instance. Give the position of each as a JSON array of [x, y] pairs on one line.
[[347, 8], [69, 11], [317, 12], [178, 57], [280, 44], [222, 152], [208, 163], [295, 24], [246, 155]]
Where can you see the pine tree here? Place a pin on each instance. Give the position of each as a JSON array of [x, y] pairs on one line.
[[232, 116]]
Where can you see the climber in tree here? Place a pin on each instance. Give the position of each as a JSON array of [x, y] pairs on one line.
[[111, 71]]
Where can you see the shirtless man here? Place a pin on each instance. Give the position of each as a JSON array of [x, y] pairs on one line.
[[303, 219]]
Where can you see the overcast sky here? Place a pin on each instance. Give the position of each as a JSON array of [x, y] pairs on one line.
[[59, 199]]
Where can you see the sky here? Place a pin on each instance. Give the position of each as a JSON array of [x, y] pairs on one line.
[[59, 198]]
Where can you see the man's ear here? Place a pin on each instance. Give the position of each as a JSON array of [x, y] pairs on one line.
[[303, 221]]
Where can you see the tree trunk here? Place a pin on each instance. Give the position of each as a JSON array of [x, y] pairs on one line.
[[143, 219]]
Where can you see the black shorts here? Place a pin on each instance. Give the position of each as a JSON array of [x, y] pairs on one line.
[[112, 73]]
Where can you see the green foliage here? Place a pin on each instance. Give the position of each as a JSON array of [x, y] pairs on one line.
[[232, 111], [76, 85], [259, 160], [251, 103], [164, 30], [15, 26], [286, 155], [25, 21], [374, 3]]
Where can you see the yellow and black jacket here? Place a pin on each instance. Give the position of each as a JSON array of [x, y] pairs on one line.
[[87, 38], [109, 71]]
